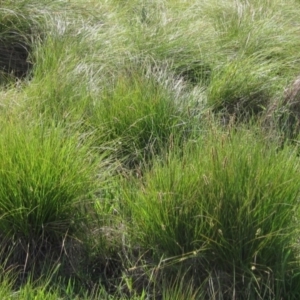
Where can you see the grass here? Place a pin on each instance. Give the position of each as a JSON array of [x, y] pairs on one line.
[[219, 207], [139, 115], [149, 149], [241, 87], [48, 179]]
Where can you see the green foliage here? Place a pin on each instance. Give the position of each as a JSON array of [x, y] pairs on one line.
[[140, 115], [241, 87], [229, 203], [145, 81], [45, 175], [22, 25]]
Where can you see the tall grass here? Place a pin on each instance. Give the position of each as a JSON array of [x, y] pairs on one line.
[[47, 179], [140, 116], [241, 87], [228, 205], [143, 82]]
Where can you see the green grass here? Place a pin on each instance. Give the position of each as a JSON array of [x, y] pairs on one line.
[[139, 115], [229, 204], [241, 87], [149, 149], [48, 182]]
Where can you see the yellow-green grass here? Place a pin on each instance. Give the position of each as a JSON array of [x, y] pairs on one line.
[[103, 140]]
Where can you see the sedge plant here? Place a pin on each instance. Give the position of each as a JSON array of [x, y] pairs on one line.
[[140, 115], [227, 206], [48, 178]]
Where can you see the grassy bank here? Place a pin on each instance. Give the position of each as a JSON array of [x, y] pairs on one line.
[[149, 149]]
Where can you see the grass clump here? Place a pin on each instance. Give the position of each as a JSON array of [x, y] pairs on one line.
[[192, 210], [241, 88], [22, 25], [15, 48], [140, 115], [228, 207], [47, 179]]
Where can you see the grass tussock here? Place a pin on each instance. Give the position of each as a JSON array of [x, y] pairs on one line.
[[48, 181], [40, 172], [149, 149], [140, 116], [219, 208]]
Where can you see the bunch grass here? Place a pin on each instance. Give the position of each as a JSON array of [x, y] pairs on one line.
[[219, 207], [198, 208]]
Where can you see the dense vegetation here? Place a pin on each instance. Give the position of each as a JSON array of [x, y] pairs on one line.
[[149, 149]]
